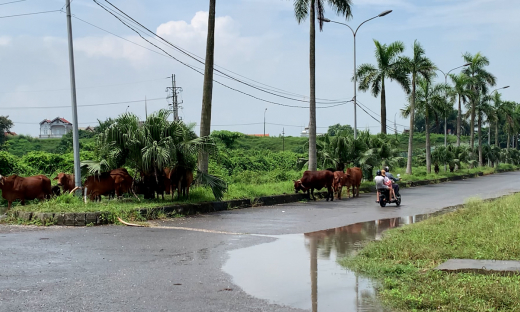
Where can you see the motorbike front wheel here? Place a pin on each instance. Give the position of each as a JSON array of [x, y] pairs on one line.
[[382, 200]]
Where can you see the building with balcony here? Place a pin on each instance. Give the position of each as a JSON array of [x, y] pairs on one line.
[[54, 129]]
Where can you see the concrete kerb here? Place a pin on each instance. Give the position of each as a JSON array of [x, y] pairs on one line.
[[100, 218]]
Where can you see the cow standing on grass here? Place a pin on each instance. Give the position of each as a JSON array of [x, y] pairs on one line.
[[181, 180], [312, 180], [117, 181], [66, 181], [29, 188]]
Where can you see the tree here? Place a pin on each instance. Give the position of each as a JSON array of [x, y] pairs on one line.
[[338, 129], [311, 8], [417, 66], [207, 91], [482, 109], [480, 79], [429, 99], [498, 113], [5, 126], [150, 147], [388, 66], [460, 83]]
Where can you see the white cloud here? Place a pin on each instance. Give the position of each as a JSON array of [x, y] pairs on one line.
[[111, 47]]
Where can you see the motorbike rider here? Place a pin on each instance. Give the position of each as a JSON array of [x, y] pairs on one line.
[[395, 186], [380, 184]]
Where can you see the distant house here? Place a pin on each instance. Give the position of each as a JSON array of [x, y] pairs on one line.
[[9, 133], [259, 135], [88, 129], [54, 129]]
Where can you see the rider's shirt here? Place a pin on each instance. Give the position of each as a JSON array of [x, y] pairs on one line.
[[380, 182], [391, 176]]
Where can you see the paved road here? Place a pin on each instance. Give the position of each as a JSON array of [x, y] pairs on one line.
[[115, 268]]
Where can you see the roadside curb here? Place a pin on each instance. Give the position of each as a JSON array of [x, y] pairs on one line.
[[101, 218]]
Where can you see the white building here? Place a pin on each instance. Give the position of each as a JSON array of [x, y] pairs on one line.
[[54, 129]]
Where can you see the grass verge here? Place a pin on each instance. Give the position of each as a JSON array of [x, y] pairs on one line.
[[403, 260]]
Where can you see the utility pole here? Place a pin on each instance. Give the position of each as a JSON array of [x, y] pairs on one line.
[[395, 126], [283, 139], [145, 109], [175, 102], [75, 134]]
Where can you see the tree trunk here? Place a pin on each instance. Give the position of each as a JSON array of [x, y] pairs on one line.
[[383, 106], [428, 149], [312, 102], [496, 134], [459, 126], [410, 139], [437, 124], [472, 123], [508, 140], [480, 158], [207, 92]]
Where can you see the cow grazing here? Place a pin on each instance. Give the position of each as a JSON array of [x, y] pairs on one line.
[[56, 190], [181, 180], [353, 178], [150, 184], [29, 188], [66, 181], [117, 181], [312, 180]]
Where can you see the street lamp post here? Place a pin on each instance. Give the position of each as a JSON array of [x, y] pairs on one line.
[[355, 70], [264, 119]]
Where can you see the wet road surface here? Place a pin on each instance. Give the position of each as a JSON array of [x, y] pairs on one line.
[[115, 268]]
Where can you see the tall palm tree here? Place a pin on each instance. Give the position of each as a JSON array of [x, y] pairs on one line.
[[388, 66], [311, 8], [480, 80], [429, 99], [460, 83], [417, 66], [498, 107], [207, 91], [482, 109]]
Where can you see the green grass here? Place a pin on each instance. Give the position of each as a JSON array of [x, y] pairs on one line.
[[404, 259], [275, 144], [419, 173]]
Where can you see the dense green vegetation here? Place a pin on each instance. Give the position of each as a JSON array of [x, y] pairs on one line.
[[404, 259]]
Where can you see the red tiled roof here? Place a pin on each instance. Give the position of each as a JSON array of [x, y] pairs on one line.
[[9, 133], [65, 120], [259, 135]]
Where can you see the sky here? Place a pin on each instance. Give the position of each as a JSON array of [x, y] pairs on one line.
[[260, 40]]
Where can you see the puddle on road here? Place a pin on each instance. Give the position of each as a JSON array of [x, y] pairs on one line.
[[301, 270]]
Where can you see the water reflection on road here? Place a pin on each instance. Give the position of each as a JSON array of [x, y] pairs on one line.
[[301, 270]]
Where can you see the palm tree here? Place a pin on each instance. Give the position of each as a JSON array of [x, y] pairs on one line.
[[482, 109], [311, 8], [429, 99], [417, 66], [460, 83], [498, 106], [388, 66], [150, 147], [480, 79], [207, 91]]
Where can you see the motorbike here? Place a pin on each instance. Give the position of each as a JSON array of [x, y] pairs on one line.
[[384, 196]]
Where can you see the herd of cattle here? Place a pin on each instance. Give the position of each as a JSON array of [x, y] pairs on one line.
[[118, 182], [332, 180], [113, 183]]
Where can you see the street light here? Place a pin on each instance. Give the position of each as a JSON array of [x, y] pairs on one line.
[[264, 119], [355, 70]]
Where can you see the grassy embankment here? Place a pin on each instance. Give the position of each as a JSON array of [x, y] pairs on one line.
[[404, 259]]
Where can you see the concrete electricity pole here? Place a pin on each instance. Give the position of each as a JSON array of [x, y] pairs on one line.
[[75, 134]]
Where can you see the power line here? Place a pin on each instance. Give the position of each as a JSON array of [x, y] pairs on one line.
[[84, 105], [189, 54], [34, 13], [12, 2], [92, 87], [200, 72]]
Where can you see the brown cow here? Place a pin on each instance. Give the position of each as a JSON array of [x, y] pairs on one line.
[[353, 178], [181, 179], [167, 181], [116, 181], [66, 181], [316, 180], [29, 188], [340, 180]]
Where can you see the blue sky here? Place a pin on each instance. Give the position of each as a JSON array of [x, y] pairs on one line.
[[259, 39]]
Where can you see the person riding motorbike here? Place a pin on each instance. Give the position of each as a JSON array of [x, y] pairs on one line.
[[380, 184], [388, 183], [395, 186]]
